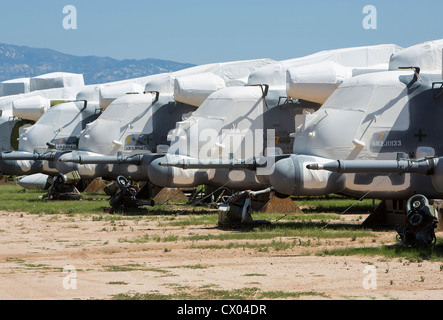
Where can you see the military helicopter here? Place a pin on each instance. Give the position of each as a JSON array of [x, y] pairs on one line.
[[138, 123], [247, 102], [377, 137], [57, 131], [54, 133], [222, 141], [382, 126], [23, 101]]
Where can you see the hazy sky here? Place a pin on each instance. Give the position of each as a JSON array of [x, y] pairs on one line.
[[205, 31]]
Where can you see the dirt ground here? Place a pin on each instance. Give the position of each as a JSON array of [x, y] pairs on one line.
[[61, 257]]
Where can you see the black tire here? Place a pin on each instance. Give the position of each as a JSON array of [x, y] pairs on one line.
[[122, 182], [416, 219]]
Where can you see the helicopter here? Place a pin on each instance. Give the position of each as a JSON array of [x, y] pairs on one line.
[[382, 126], [254, 97], [138, 122], [23, 101], [221, 142], [57, 129], [377, 137]]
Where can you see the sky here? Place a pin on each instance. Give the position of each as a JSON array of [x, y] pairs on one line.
[[208, 31]]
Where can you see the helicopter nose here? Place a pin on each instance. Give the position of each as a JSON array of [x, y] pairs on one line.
[[160, 175], [283, 176]]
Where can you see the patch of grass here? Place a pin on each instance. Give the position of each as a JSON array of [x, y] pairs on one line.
[[131, 267], [117, 282], [147, 238], [177, 210], [15, 259], [211, 218], [279, 230], [193, 220], [247, 293], [123, 268], [195, 266], [261, 247], [334, 203], [291, 229], [413, 254], [13, 199], [285, 295]]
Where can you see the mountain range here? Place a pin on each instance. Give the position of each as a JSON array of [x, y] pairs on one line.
[[21, 62]]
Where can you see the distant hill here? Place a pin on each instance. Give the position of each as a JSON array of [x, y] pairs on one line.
[[21, 62]]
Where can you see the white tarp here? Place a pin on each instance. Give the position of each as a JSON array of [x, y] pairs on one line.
[[89, 93], [163, 83], [223, 124], [109, 93], [49, 125], [357, 60], [56, 80], [59, 94], [84, 92], [14, 86], [129, 114], [55, 95], [354, 104], [234, 73], [427, 56], [316, 82], [194, 89], [31, 108]]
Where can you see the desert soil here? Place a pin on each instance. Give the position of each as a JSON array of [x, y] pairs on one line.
[[107, 258]]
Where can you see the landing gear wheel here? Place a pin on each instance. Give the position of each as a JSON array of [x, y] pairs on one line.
[[421, 222], [122, 182]]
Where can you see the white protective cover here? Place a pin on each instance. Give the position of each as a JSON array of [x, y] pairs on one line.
[[59, 94], [15, 86], [223, 124], [48, 125], [88, 92], [335, 67], [194, 89], [31, 108], [234, 73], [349, 115], [56, 80], [130, 113], [316, 82], [109, 93], [355, 60], [427, 56]]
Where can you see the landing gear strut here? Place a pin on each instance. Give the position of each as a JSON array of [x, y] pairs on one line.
[[126, 196], [237, 210], [63, 187], [420, 223]]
